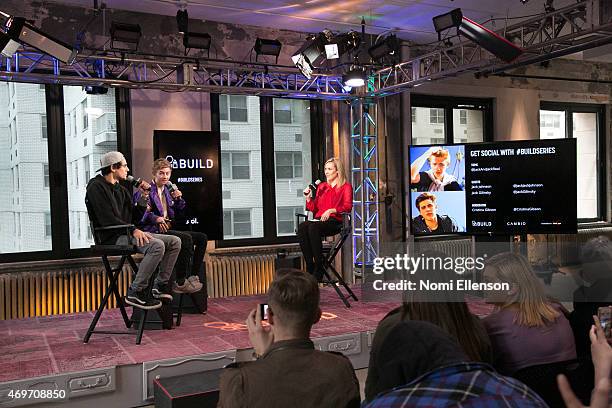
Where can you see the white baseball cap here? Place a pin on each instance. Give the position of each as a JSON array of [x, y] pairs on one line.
[[110, 158]]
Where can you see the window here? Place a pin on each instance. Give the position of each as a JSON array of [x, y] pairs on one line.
[[298, 138], [47, 225], [583, 123], [235, 165], [289, 165], [43, 126], [282, 110], [84, 114], [451, 120], [286, 219], [86, 169], [46, 175], [233, 108], [436, 116], [225, 136], [237, 223]]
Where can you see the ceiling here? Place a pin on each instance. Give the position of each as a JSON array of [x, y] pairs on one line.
[[409, 19]]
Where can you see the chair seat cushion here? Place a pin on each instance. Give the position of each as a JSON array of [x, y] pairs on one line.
[[114, 249]]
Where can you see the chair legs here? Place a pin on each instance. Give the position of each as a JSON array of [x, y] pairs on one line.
[[328, 267]]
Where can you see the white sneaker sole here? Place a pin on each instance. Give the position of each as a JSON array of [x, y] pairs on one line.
[[139, 305]]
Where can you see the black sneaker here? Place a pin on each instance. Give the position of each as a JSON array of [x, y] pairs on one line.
[[161, 292], [141, 300]]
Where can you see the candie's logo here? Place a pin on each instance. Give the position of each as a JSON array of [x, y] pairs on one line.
[[190, 163]]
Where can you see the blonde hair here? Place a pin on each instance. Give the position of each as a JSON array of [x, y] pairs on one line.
[[339, 168], [534, 308], [442, 153], [160, 164]]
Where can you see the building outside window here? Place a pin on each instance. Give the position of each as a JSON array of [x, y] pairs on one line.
[[43, 126], [235, 165], [233, 108], [84, 115], [46, 175], [237, 223], [436, 116], [289, 165]]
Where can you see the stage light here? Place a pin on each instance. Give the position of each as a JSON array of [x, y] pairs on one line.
[[125, 36], [267, 47], [487, 39], [95, 90], [354, 78], [387, 47], [182, 21], [8, 47], [200, 41], [341, 44], [310, 54], [22, 31]]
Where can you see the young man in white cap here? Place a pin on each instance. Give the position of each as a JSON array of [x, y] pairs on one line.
[[111, 204]]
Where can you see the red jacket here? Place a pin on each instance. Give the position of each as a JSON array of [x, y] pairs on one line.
[[340, 198]]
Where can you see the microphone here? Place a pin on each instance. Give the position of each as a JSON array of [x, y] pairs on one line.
[[136, 182], [313, 188], [171, 187]]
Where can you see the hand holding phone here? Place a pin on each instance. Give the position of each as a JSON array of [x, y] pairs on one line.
[[263, 311], [604, 314]]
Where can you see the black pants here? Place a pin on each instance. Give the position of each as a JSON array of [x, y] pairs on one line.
[[191, 257], [310, 234]]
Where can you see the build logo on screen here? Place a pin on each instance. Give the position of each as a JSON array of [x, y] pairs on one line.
[[190, 163]]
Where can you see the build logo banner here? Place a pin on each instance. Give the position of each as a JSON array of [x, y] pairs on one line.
[[196, 170]]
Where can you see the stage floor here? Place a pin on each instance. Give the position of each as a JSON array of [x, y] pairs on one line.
[[53, 345]]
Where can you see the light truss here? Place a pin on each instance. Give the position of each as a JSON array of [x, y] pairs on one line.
[[172, 74], [551, 35]]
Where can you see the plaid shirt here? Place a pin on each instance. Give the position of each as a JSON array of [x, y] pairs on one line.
[[472, 385]]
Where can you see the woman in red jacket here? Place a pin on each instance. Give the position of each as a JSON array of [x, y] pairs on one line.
[[333, 197]]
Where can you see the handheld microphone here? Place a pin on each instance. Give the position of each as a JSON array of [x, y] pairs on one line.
[[313, 188], [171, 187], [136, 182]]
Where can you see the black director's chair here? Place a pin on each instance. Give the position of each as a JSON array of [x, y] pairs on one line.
[[330, 250], [112, 275]]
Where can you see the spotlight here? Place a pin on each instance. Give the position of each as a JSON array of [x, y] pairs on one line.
[[8, 47], [355, 77], [387, 47], [125, 36], [22, 31], [200, 41], [267, 47], [341, 44], [182, 21], [310, 54], [487, 39], [95, 90]]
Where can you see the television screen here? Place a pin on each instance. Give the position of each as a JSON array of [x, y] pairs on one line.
[[494, 188]]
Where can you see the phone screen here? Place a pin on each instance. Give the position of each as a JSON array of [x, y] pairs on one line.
[[605, 317], [263, 309]]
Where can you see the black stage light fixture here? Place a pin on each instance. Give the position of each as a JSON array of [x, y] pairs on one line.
[[267, 47], [125, 36], [8, 47], [95, 90], [182, 21], [487, 39], [22, 31], [310, 54], [200, 41], [341, 44], [389, 46], [355, 77]]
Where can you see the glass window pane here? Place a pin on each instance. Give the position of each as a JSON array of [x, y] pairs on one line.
[[22, 159], [83, 159], [585, 133], [43, 126], [429, 130], [468, 126], [242, 153], [223, 109], [227, 223], [293, 162], [552, 124]]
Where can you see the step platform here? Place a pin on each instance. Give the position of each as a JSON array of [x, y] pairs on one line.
[[197, 390]]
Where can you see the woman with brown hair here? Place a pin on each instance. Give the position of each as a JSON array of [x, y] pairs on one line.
[[527, 328], [447, 310], [333, 197]]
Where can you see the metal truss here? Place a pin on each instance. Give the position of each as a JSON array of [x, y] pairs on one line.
[[172, 74], [364, 178], [551, 35]]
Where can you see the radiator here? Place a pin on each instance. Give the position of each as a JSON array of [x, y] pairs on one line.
[[239, 275], [451, 247]]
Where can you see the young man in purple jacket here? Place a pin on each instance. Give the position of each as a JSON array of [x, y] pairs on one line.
[[165, 203]]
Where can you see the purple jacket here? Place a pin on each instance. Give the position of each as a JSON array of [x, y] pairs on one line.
[[155, 209]]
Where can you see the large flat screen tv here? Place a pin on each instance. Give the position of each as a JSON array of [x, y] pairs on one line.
[[493, 188]]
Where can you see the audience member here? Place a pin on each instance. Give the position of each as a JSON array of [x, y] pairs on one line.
[[421, 365], [289, 372], [446, 310], [527, 328], [111, 204], [601, 353]]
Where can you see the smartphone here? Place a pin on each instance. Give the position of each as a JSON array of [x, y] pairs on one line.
[[605, 317], [263, 311]]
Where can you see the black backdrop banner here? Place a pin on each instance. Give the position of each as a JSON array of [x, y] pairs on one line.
[[196, 170]]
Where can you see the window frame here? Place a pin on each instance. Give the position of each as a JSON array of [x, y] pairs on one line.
[[268, 166], [570, 108], [58, 173]]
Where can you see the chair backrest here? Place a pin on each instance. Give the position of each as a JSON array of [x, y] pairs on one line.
[[542, 379], [92, 221]]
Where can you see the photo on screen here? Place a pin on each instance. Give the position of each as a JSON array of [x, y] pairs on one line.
[[437, 212], [437, 168]]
